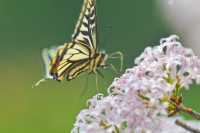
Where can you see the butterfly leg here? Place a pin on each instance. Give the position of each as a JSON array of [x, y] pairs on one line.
[[97, 83], [117, 55], [85, 87], [102, 76], [99, 72], [114, 68]]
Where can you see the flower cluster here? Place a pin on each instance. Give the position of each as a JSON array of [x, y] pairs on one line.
[[134, 101], [161, 69], [115, 113]]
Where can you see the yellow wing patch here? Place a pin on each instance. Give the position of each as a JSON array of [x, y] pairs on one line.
[[72, 59]]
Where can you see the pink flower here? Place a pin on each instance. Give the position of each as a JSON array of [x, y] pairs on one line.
[[157, 73]]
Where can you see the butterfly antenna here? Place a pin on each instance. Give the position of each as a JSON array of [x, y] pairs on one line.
[[117, 55], [39, 82]]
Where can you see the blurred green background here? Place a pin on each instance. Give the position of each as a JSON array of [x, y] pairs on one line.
[[28, 26]]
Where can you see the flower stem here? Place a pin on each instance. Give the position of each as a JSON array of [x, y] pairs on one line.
[[182, 108], [186, 127], [189, 111]]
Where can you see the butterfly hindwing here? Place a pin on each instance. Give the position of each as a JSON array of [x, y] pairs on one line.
[[49, 56]]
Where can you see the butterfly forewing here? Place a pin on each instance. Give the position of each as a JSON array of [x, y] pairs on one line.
[[85, 31], [72, 60], [77, 68]]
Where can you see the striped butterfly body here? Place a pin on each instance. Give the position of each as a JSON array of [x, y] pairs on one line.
[[81, 54]]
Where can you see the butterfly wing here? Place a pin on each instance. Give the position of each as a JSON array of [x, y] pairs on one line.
[[86, 30], [73, 58], [49, 55], [74, 61], [47, 58], [77, 57]]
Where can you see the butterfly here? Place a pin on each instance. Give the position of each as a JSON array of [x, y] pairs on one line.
[[80, 55]]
